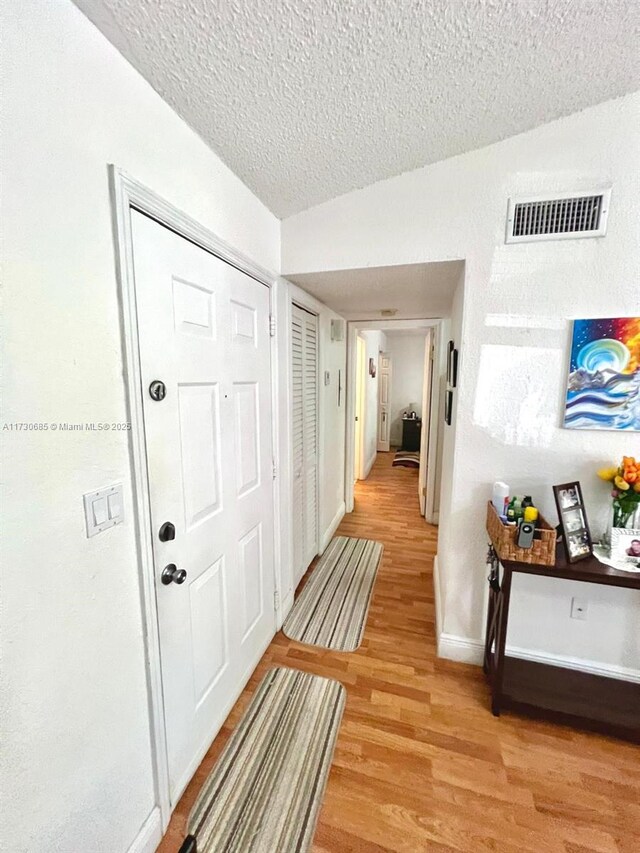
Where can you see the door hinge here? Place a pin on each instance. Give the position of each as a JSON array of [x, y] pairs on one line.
[[432, 353], [276, 600], [274, 470], [272, 326]]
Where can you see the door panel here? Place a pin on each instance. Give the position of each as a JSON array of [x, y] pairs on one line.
[[304, 395], [209, 625], [203, 331], [297, 439], [311, 436], [198, 406], [384, 400], [250, 557], [246, 418]]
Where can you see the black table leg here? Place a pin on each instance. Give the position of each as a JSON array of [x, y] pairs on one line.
[[501, 641]]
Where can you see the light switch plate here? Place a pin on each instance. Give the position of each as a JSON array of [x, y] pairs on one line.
[[103, 509]]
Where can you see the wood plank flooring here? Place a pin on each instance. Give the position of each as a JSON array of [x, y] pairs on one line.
[[421, 764]]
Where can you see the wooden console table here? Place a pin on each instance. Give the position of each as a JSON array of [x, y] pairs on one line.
[[564, 695]]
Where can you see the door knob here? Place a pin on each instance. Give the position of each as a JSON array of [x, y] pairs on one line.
[[172, 573]]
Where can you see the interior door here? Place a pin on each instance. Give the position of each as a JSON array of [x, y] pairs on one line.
[[384, 400], [304, 395], [203, 332]]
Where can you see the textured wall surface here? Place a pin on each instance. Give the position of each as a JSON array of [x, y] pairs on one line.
[[305, 101], [73, 704], [514, 332]]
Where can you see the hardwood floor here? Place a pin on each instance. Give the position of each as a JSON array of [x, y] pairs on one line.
[[421, 764]]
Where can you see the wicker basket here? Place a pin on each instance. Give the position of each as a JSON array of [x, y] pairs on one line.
[[542, 551]]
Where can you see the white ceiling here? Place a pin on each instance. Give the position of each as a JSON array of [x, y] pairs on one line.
[[308, 100], [417, 291]]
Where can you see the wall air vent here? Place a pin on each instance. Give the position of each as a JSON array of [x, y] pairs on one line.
[[561, 217]]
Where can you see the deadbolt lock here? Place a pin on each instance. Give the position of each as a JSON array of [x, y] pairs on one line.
[[157, 390]]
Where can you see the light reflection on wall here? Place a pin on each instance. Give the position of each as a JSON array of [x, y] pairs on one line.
[[520, 321], [516, 398]]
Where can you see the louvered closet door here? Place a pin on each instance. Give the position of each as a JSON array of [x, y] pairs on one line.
[[310, 436], [304, 368]]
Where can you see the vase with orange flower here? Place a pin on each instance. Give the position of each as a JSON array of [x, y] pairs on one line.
[[625, 482]]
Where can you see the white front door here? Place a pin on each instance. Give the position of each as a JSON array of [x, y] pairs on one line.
[[384, 401], [204, 333]]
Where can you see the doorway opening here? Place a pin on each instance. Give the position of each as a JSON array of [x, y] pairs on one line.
[[396, 389]]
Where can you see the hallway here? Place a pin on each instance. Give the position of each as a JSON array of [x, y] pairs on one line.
[[421, 765]]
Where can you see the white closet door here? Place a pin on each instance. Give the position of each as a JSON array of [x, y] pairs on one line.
[[297, 438], [310, 437], [304, 385]]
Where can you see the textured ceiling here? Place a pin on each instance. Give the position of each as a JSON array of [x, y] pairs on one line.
[[414, 290], [307, 100]]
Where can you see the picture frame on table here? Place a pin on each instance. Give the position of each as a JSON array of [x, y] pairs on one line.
[[625, 546], [576, 535]]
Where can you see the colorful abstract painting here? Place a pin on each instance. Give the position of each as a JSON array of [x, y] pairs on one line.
[[603, 391]]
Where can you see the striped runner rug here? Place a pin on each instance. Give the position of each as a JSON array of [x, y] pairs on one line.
[[331, 611], [265, 792], [406, 459]]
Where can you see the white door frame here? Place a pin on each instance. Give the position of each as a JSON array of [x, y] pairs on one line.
[[439, 343], [353, 327], [359, 378], [127, 193], [427, 364]]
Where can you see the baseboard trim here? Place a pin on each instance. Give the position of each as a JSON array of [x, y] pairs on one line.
[[608, 670], [335, 523], [150, 835], [465, 650], [437, 597], [460, 649]]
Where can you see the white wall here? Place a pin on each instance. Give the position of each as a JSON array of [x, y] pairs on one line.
[[515, 338], [407, 379], [375, 343], [76, 743]]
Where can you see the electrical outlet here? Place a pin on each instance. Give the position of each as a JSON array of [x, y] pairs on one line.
[[579, 608]]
